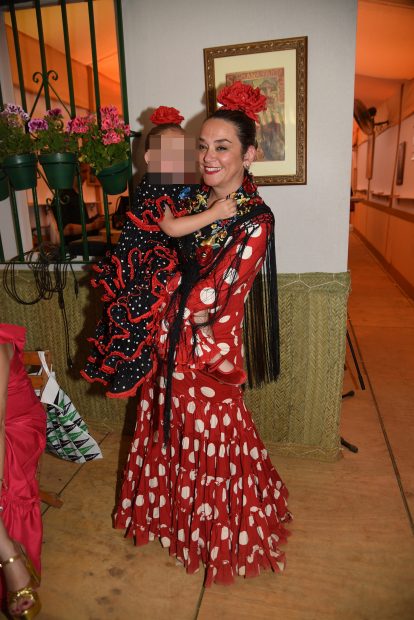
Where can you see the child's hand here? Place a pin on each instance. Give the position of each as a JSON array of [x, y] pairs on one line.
[[224, 209]]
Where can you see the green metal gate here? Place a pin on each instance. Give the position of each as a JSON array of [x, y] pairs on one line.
[[44, 76]]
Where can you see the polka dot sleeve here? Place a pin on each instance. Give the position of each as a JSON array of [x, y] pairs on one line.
[[204, 295], [200, 352]]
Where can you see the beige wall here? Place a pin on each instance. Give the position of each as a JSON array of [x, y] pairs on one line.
[[390, 234], [300, 412]]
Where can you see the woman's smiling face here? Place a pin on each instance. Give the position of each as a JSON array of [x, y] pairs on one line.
[[220, 156]]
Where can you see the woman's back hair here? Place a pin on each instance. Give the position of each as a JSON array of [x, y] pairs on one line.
[[157, 130], [245, 126]]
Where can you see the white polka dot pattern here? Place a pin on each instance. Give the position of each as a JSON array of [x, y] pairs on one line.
[[208, 296], [212, 495], [230, 276], [224, 319]]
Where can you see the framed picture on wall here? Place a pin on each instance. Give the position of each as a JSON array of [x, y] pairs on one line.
[[370, 155], [279, 69], [400, 163]]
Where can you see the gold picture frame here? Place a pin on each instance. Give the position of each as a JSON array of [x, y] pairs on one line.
[[399, 180], [279, 69], [370, 156]]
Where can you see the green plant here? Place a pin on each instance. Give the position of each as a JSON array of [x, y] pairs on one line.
[[50, 135], [14, 140], [104, 144]]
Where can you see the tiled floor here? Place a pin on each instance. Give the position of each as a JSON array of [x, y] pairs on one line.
[[351, 554]]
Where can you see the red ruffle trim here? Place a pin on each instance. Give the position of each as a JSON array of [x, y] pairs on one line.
[[212, 496], [148, 220]]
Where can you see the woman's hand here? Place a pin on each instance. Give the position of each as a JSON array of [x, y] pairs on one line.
[[224, 208]]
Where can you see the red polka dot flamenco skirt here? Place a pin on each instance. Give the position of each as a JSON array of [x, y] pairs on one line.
[[212, 496]]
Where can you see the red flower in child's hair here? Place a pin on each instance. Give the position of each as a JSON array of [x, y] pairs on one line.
[[243, 97], [204, 254], [164, 115]]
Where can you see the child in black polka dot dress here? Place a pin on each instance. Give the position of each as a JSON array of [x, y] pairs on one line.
[[134, 277]]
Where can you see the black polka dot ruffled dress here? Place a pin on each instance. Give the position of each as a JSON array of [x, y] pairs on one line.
[[134, 281]]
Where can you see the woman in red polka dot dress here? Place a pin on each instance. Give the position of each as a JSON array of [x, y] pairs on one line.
[[198, 477]]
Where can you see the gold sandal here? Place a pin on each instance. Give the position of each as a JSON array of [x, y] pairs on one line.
[[27, 593]]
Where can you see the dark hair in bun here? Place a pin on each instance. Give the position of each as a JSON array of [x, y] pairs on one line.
[[245, 126]]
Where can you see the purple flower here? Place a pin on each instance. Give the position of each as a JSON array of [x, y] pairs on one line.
[[37, 124], [12, 108], [54, 113]]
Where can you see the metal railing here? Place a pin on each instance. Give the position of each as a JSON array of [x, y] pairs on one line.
[[45, 75]]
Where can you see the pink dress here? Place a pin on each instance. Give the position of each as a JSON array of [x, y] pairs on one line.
[[25, 429]]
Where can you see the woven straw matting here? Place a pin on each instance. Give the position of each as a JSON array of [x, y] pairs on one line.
[[299, 413]]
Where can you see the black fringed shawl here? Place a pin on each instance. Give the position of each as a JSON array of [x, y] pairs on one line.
[[200, 255]]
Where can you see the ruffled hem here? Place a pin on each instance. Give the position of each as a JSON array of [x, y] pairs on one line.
[[123, 353], [22, 519], [134, 281], [119, 380], [8, 501], [211, 496]]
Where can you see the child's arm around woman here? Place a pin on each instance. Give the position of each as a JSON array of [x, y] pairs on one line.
[[180, 226]]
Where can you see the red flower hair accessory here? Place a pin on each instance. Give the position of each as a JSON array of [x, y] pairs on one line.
[[164, 116], [243, 97]]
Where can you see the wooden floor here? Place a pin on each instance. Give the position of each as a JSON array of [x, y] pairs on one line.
[[351, 553]]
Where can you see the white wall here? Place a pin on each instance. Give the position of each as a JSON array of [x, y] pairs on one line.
[[164, 43]]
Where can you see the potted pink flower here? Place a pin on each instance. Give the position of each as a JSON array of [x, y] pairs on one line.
[[105, 147], [17, 159], [57, 148]]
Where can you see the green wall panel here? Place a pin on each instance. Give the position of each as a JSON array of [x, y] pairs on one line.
[[299, 413]]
